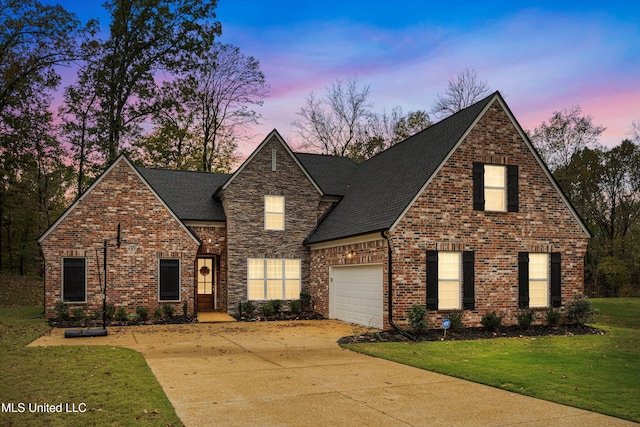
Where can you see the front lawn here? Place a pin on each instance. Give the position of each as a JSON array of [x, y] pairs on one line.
[[112, 385], [599, 373]]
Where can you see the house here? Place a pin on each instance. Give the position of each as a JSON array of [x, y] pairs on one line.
[[463, 216]]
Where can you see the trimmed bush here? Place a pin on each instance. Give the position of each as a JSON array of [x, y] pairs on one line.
[[579, 311], [526, 317], [553, 317], [418, 318], [121, 315], [295, 306], [168, 310], [491, 321], [305, 300], [456, 321], [143, 313], [62, 311]]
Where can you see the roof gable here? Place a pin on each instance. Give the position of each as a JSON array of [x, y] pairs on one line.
[[121, 158], [385, 185], [274, 134]]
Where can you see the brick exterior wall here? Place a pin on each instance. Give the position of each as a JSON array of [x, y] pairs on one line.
[[149, 232], [243, 201], [443, 218]]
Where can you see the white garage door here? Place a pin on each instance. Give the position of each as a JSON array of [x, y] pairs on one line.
[[355, 294]]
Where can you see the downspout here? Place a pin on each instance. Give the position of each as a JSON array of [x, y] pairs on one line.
[[390, 290]]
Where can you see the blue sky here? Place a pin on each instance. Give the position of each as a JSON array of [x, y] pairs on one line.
[[542, 56]]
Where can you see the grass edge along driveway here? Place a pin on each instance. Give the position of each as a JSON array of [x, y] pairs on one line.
[[112, 385], [599, 373]]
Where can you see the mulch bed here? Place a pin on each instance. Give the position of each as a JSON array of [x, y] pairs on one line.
[[284, 315], [473, 334]]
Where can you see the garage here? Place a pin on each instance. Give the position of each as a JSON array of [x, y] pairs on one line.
[[355, 294]]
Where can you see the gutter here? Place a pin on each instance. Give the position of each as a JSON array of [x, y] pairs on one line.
[[390, 290]]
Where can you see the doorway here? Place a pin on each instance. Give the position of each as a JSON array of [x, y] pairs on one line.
[[207, 273]]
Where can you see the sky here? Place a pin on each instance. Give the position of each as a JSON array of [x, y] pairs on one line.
[[542, 56]]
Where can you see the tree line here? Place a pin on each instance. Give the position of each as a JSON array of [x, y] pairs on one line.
[[155, 83]]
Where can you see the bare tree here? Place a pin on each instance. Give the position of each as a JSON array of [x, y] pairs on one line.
[[635, 131], [462, 91], [331, 125]]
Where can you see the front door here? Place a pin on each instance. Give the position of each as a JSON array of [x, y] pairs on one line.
[[207, 281]]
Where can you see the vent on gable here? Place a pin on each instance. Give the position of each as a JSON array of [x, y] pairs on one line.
[[273, 159]]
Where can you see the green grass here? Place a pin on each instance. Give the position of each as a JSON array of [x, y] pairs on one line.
[[599, 373], [116, 384]]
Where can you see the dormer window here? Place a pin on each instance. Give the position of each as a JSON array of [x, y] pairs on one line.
[[274, 212]]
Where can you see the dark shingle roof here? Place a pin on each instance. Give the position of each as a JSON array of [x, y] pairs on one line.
[[188, 194], [383, 186], [331, 173]]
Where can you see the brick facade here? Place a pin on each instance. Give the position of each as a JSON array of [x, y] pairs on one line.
[[148, 231], [243, 201], [443, 218]]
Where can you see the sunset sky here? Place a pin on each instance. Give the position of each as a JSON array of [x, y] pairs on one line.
[[542, 56]]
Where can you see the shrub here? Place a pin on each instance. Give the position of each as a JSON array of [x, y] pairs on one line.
[[491, 321], [110, 311], [295, 306], [526, 317], [267, 309], [62, 311], [79, 314], [185, 310], [168, 310], [579, 311], [305, 301], [417, 318], [121, 315], [456, 321], [246, 308], [143, 313], [553, 317], [157, 313], [276, 305]]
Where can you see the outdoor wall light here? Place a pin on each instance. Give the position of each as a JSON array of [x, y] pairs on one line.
[[351, 254]]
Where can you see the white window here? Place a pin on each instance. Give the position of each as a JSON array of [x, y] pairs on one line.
[[495, 188], [273, 279], [449, 281], [538, 280], [274, 212]]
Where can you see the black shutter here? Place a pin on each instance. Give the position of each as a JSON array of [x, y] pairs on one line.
[[478, 186], [468, 284], [432, 280], [512, 188], [523, 279], [169, 279], [74, 280], [556, 279]]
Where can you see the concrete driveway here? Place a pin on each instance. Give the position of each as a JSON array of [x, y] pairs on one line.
[[294, 374]]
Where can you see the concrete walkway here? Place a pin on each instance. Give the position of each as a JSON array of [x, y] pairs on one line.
[[294, 374]]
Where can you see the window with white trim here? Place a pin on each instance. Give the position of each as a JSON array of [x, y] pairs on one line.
[[538, 280], [495, 188], [273, 279], [74, 279], [274, 212], [449, 283]]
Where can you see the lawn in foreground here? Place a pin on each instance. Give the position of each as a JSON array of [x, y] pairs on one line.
[[599, 373], [116, 384]]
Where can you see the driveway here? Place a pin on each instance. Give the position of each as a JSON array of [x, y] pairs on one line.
[[294, 374]]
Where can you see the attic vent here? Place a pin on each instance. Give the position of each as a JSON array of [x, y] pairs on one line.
[[273, 159]]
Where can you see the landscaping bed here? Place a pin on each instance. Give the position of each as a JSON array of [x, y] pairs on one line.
[[473, 334], [284, 315]]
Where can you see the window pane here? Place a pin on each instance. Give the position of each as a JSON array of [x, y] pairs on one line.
[[170, 279], [538, 266], [448, 294], [494, 176], [74, 282], [449, 265], [274, 289], [274, 269], [256, 289], [274, 221], [205, 275], [494, 200], [292, 269], [274, 212], [255, 268], [274, 204], [538, 293], [292, 289]]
